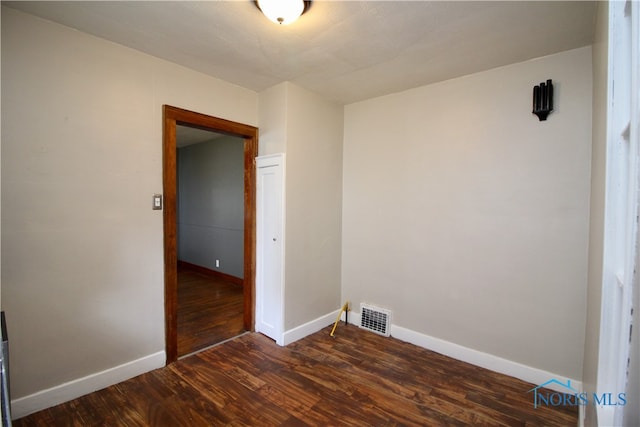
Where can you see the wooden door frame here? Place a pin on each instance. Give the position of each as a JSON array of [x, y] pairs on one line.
[[172, 116]]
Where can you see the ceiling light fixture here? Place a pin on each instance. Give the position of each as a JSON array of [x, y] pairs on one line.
[[283, 12]]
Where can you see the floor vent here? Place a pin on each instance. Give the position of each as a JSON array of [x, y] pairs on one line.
[[375, 319]]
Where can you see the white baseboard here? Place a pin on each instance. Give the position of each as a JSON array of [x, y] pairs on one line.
[[475, 357], [64, 392], [309, 328], [24, 406]]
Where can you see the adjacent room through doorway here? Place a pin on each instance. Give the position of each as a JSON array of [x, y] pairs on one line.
[[210, 234]]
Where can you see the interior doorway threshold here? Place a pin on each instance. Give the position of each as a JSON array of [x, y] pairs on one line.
[[213, 345]]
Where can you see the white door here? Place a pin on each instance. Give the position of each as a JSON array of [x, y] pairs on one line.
[[270, 246]]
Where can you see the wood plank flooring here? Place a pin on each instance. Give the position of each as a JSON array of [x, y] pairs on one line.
[[210, 310], [356, 378]]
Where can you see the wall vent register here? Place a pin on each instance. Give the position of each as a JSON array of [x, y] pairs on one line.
[[375, 319]]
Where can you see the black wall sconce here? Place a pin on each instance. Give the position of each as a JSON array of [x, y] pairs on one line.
[[543, 100]]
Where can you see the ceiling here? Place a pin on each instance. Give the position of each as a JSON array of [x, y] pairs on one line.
[[186, 135], [345, 50]]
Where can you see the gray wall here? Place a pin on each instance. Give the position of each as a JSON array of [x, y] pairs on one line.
[[211, 204]]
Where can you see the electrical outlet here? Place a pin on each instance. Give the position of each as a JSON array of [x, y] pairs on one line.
[[217, 263]]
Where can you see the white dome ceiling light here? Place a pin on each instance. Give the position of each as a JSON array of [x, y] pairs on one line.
[[283, 12]]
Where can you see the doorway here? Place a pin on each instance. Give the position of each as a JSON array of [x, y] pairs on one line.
[[172, 117], [210, 220]]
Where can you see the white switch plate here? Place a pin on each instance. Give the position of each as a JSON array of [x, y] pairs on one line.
[[157, 202]]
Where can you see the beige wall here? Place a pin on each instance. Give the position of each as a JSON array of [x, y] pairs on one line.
[[309, 130], [82, 270], [468, 218], [82, 275], [273, 120], [597, 206], [314, 206]]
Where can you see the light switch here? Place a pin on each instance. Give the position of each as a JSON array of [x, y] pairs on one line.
[[157, 202]]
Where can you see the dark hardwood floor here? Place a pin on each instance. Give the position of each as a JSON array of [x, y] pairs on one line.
[[356, 378], [210, 310]]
